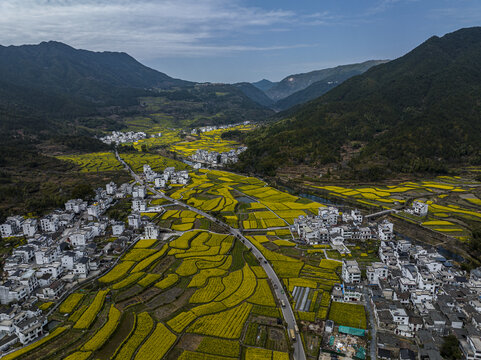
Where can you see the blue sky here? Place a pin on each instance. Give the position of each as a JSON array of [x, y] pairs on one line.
[[237, 40]]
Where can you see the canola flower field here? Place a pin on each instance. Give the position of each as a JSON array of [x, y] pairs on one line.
[[221, 290], [210, 141], [201, 283], [454, 202], [106, 161]]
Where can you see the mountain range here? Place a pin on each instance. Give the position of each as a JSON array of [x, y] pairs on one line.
[[420, 112], [300, 88]]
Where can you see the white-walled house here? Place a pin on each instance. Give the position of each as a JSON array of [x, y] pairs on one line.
[[118, 228], [386, 230], [76, 206], [419, 208], [159, 182], [30, 227], [139, 204], [6, 230], [82, 267], [135, 220], [49, 224], [111, 188], [139, 192], [68, 260], [376, 271], [151, 232], [94, 210], [351, 272]]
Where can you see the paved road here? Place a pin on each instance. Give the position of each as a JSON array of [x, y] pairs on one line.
[[372, 321], [287, 312]]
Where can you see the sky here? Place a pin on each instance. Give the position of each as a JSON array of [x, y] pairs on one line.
[[237, 40]]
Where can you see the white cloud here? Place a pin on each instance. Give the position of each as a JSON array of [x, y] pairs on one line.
[[145, 28]]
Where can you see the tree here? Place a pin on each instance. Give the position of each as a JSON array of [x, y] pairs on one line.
[[82, 191], [450, 348]]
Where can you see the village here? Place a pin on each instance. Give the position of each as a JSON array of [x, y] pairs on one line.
[[119, 137], [216, 159], [60, 253], [414, 296]]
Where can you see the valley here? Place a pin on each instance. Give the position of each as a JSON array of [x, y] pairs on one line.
[[335, 213]]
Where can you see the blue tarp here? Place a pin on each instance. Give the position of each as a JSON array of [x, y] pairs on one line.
[[351, 331]]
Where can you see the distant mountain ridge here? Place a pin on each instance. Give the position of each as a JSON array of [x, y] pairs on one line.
[[420, 112], [297, 82], [319, 88], [264, 84], [254, 93]]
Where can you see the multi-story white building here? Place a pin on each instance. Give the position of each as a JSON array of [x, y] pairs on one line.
[[419, 208], [376, 271], [159, 182], [82, 236], [68, 260], [385, 230], [76, 206], [329, 215], [46, 255], [118, 228], [111, 188], [82, 267], [139, 192], [151, 232], [29, 329], [94, 210], [134, 220], [29, 227], [49, 224], [351, 273], [139, 204], [6, 230]]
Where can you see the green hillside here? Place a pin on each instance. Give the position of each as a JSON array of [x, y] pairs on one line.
[[418, 113]]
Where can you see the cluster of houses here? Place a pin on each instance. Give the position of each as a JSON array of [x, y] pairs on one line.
[[417, 297], [208, 128], [214, 158], [329, 227], [425, 297], [59, 253], [118, 137], [169, 176]]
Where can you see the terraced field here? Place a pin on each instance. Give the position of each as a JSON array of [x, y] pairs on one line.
[[220, 191], [201, 284], [210, 141], [454, 202], [94, 162]]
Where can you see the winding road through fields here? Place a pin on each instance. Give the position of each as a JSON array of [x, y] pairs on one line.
[[287, 312]]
